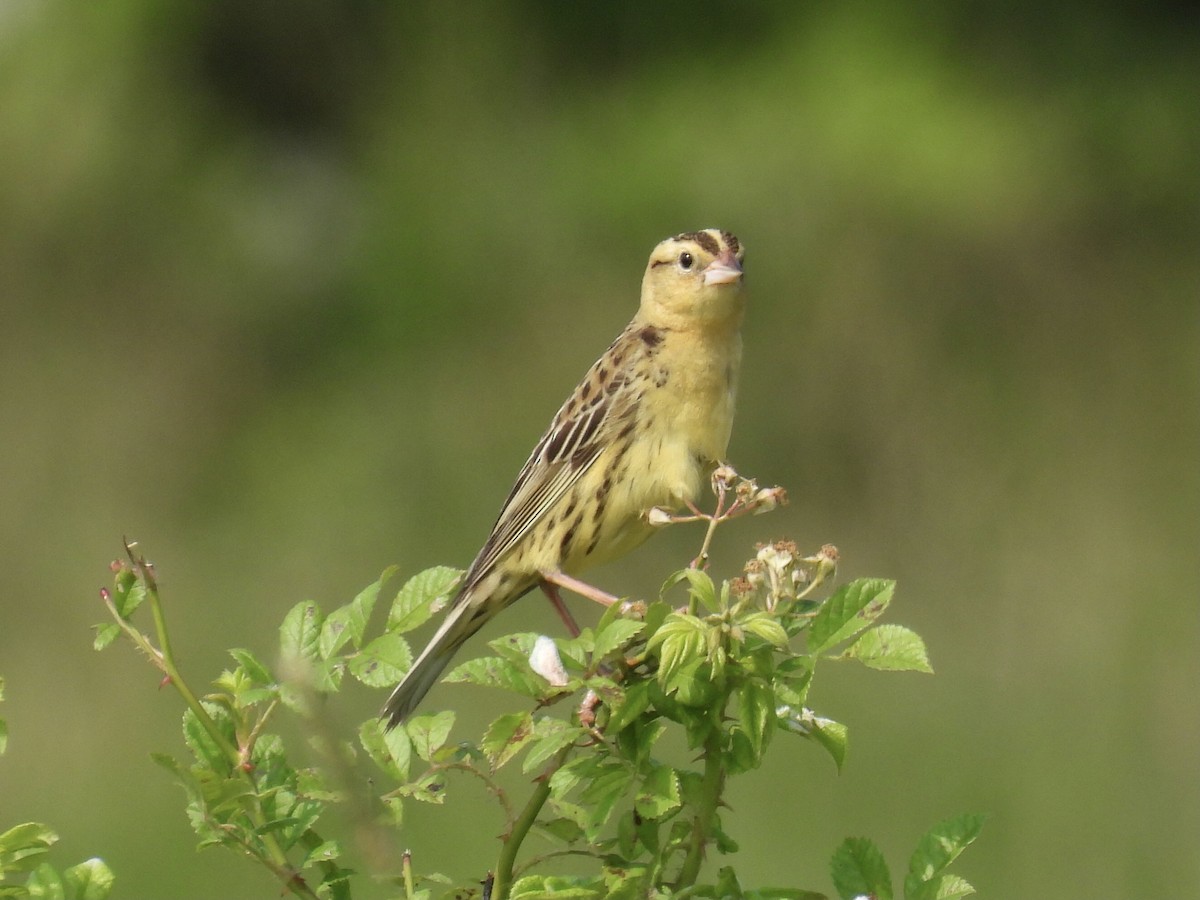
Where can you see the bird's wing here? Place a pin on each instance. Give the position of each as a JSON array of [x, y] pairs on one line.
[[597, 410]]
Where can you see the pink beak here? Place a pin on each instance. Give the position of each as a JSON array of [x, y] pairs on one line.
[[725, 269]]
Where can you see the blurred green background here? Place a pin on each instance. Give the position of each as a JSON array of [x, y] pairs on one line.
[[288, 294]]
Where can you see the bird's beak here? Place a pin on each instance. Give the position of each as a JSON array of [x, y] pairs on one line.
[[725, 269]]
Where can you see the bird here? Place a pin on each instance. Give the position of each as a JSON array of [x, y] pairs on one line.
[[642, 430]]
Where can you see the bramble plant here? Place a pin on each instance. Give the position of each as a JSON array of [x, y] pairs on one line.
[[725, 667]]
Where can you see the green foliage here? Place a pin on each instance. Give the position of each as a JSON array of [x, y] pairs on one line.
[[726, 667], [25, 871]]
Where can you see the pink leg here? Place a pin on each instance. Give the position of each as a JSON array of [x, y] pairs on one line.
[[556, 601], [582, 588]]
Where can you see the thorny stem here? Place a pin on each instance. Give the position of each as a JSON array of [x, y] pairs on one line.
[[277, 862], [502, 883], [712, 783]]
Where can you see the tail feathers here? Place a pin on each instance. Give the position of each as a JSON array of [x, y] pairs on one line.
[[457, 627]]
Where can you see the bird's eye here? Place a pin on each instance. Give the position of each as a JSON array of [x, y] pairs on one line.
[[685, 260]]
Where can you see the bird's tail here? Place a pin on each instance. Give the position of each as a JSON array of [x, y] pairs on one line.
[[467, 614]]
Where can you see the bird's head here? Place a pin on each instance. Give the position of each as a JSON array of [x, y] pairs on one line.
[[694, 280]]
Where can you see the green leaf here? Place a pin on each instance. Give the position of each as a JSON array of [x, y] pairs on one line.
[[700, 587], [390, 749], [851, 609], [128, 594], [505, 738], [493, 671], [383, 662], [615, 635], [554, 887], [198, 739], [428, 733], [517, 647], [550, 736], [891, 647], [858, 869], [349, 622], [831, 735], [300, 633], [420, 597], [756, 714], [636, 701], [90, 880], [106, 633], [765, 626], [429, 788], [565, 830], [46, 884], [680, 640], [21, 846], [658, 794], [943, 887], [608, 785], [257, 672], [938, 848]]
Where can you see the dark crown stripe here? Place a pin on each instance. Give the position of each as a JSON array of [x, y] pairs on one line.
[[704, 239]]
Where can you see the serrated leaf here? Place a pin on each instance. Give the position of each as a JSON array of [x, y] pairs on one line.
[[428, 733], [390, 749], [939, 847], [300, 633], [614, 635], [550, 736], [756, 714], [323, 852], [700, 587], [429, 788], [493, 671], [851, 609], [608, 785], [858, 869], [22, 845], [636, 700], [943, 887], [571, 773], [890, 647], [658, 794], [679, 641], [505, 737], [106, 633], [765, 626], [89, 880], [202, 744], [383, 662], [516, 647], [128, 594], [257, 672], [833, 736], [349, 622], [420, 597], [552, 887], [562, 829]]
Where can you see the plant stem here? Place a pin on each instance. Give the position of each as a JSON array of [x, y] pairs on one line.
[[502, 883], [706, 810], [277, 860]]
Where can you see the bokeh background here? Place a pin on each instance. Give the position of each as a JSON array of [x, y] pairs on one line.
[[287, 295]]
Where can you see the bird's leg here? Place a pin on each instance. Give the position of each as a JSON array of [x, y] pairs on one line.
[[575, 586], [556, 601]]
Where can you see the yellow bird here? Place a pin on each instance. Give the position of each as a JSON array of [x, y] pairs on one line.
[[643, 429]]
